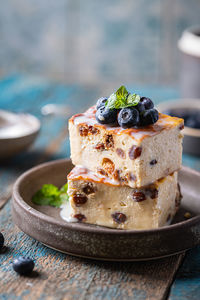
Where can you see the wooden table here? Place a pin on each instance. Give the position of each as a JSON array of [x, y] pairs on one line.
[[59, 276]]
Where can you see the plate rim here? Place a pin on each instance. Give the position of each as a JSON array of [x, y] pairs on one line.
[[89, 227]]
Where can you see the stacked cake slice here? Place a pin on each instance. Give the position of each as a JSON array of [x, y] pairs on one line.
[[124, 177]]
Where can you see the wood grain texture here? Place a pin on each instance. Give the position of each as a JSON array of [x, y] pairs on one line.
[[60, 276], [187, 283]]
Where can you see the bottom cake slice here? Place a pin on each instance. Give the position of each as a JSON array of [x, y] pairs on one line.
[[98, 200]]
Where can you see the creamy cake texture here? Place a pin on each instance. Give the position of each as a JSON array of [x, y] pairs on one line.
[[135, 157], [96, 199]]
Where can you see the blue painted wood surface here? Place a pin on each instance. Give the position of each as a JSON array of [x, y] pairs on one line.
[[22, 93]]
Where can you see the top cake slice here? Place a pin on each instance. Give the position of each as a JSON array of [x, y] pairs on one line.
[[134, 156]]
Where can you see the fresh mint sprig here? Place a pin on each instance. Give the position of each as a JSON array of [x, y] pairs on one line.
[[121, 99], [51, 195]]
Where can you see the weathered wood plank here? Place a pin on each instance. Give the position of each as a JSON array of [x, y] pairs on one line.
[[187, 283], [64, 277]]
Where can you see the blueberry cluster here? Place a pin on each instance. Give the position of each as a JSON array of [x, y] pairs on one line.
[[142, 114]]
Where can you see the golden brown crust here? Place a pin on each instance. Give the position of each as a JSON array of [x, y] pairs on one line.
[[164, 122]]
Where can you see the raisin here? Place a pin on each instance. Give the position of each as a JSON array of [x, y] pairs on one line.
[[134, 152], [181, 127], [153, 162], [89, 189], [79, 199], [121, 153], [100, 146], [108, 165], [93, 130], [131, 177], [119, 217], [138, 196], [153, 193], [123, 180], [116, 175], [83, 130], [109, 142], [102, 172], [80, 217]]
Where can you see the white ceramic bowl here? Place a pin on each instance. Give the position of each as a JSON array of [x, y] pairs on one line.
[[17, 132]]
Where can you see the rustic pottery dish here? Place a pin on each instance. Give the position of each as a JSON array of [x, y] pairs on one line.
[[17, 132], [45, 224], [191, 141]]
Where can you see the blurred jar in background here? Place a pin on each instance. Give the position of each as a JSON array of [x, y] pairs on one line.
[[189, 45]]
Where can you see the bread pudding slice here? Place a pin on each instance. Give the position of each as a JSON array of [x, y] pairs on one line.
[[134, 157], [96, 199]]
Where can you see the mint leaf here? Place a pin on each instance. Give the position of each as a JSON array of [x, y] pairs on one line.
[[49, 194], [110, 103], [132, 100], [122, 93], [64, 188], [121, 99], [63, 193]]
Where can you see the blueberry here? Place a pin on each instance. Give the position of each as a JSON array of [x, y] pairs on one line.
[[148, 103], [1, 240], [149, 117], [128, 117], [106, 116], [101, 102], [23, 266], [140, 107]]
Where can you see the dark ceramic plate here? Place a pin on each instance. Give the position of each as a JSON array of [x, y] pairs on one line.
[[45, 225]]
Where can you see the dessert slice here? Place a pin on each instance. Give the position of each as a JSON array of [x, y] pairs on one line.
[[96, 199], [132, 156]]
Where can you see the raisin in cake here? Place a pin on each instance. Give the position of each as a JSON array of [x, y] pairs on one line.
[[134, 156], [98, 200]]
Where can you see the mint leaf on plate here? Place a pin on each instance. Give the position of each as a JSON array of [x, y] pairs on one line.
[[49, 194]]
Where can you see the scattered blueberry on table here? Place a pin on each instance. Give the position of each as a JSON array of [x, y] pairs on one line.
[[1, 240], [23, 266], [126, 110]]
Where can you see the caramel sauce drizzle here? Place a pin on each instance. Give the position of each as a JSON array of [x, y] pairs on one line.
[[138, 134]]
